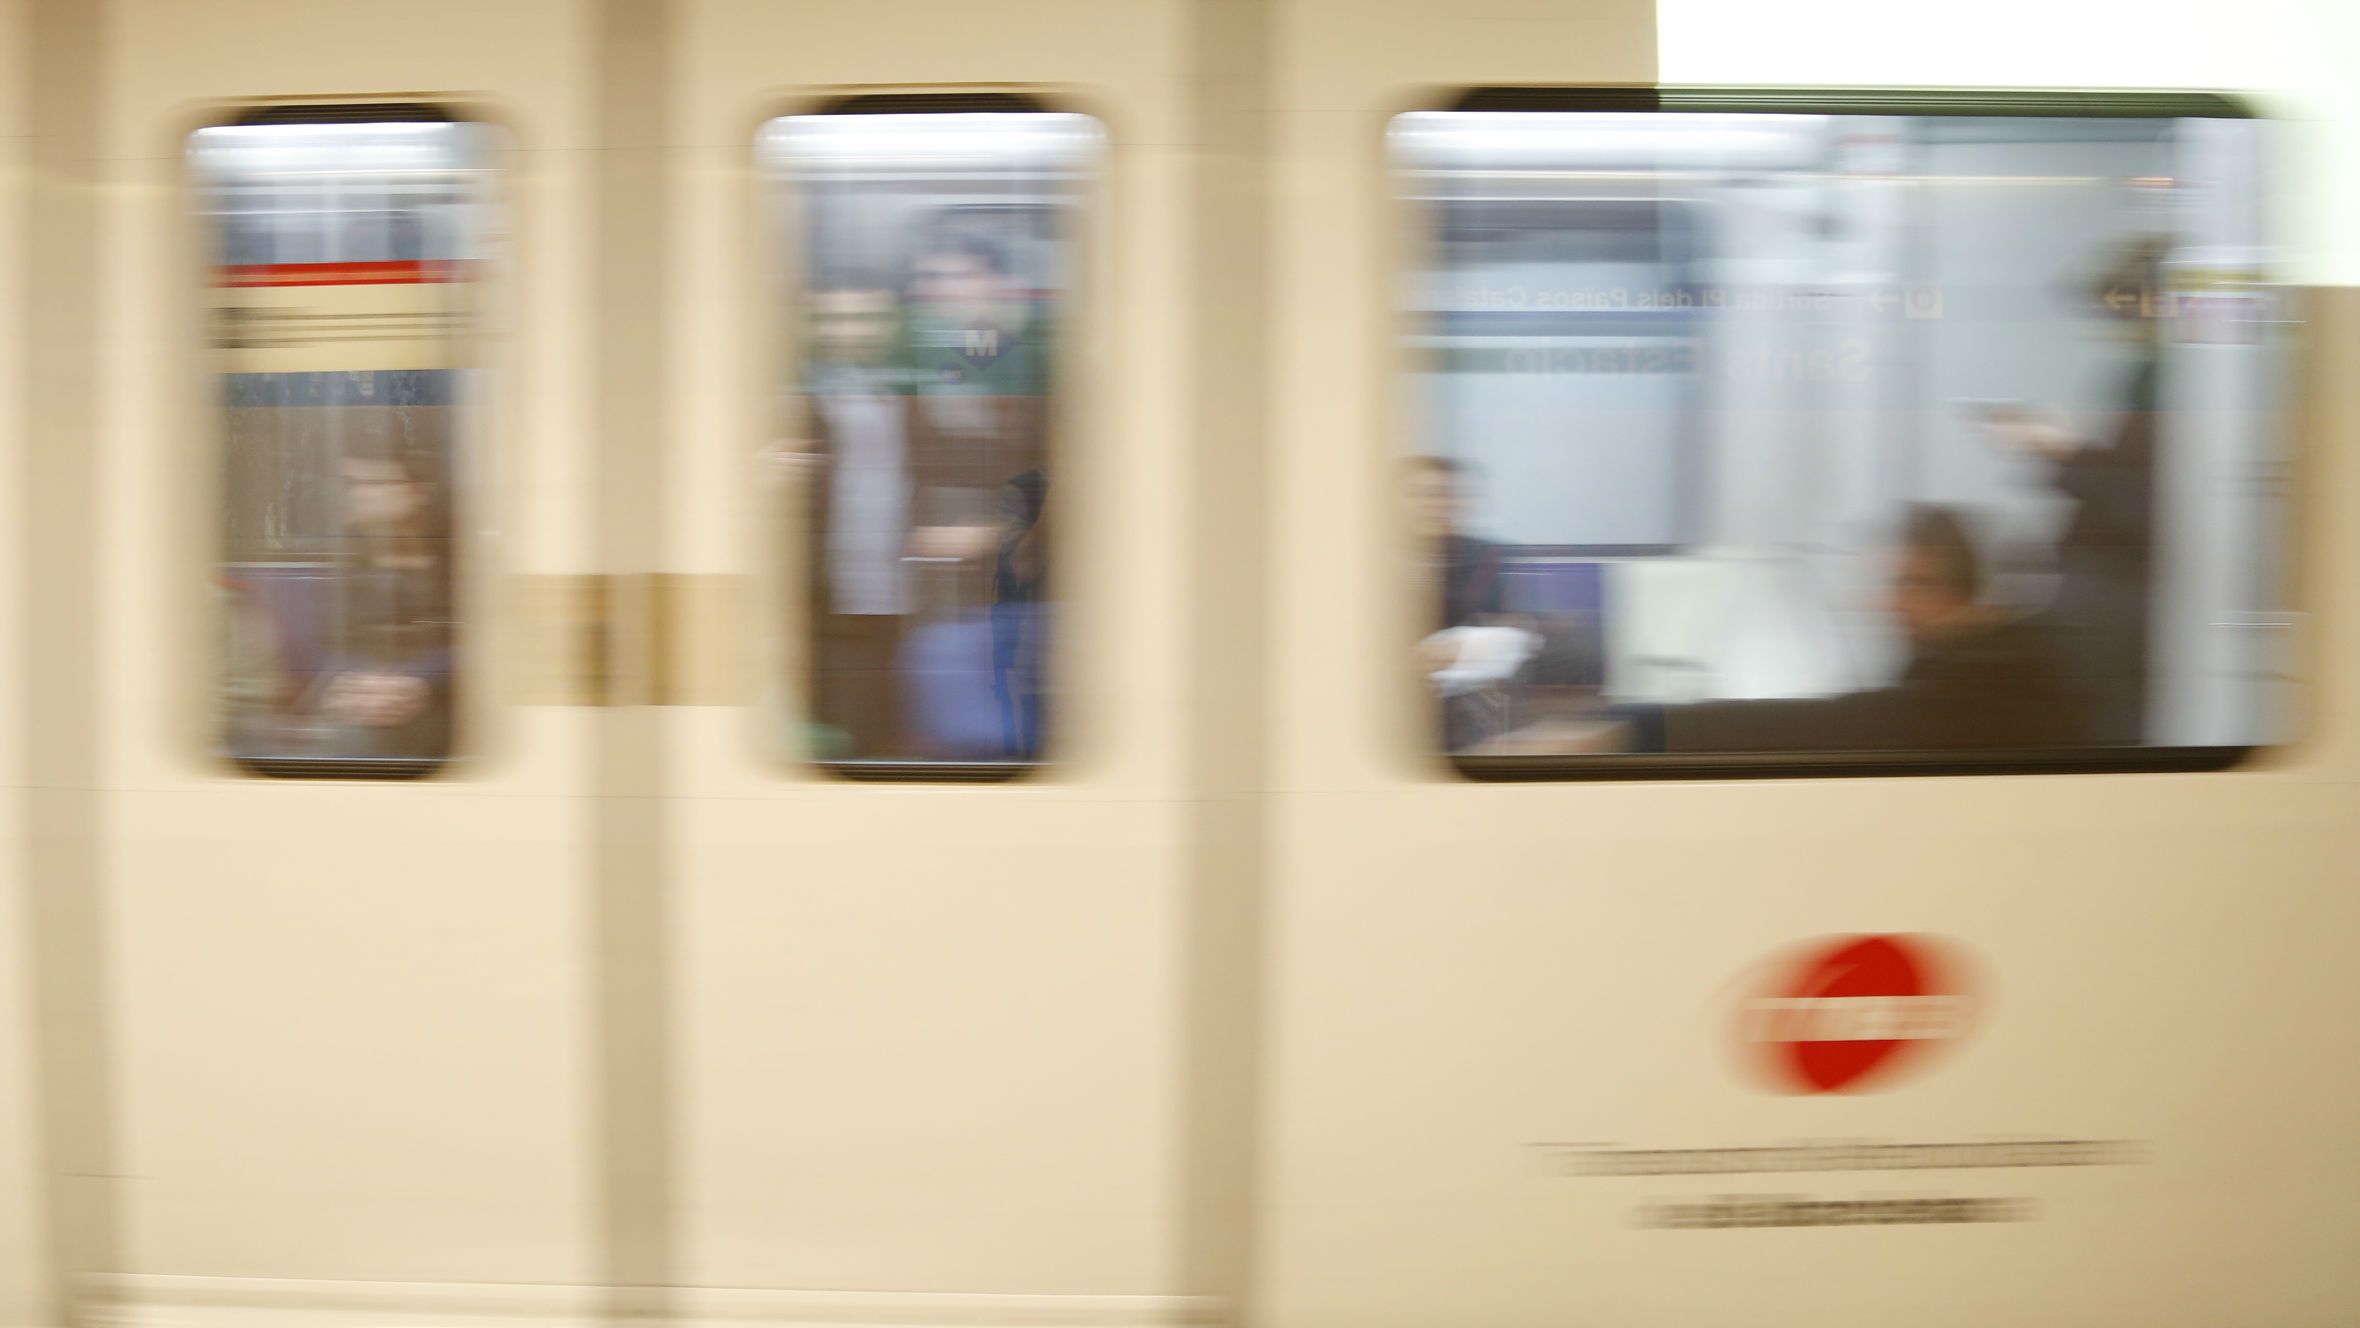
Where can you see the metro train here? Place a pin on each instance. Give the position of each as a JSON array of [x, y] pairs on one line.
[[1252, 662]]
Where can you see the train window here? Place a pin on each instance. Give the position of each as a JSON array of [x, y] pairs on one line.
[[342, 254], [1861, 435], [929, 266]]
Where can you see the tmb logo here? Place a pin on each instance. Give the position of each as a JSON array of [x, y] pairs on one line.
[[1846, 1012]]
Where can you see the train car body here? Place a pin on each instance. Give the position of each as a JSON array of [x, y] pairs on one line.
[[1215, 991]]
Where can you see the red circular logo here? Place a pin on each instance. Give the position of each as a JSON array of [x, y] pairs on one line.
[[1851, 1010]]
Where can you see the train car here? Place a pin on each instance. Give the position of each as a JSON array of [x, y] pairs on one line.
[[1270, 663]]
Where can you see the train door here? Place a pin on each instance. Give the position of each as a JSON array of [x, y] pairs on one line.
[[472, 910], [927, 848], [334, 357]]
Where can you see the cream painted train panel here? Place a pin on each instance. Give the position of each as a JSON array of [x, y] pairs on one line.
[[1464, 971], [930, 1033], [24, 1275], [926, 1047], [351, 1019]]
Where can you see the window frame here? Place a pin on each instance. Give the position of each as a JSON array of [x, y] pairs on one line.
[[1404, 436], [190, 194], [783, 296]]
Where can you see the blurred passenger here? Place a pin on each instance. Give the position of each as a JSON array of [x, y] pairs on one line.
[[979, 360], [1460, 573], [860, 487], [2101, 615], [1976, 677], [1471, 651], [888, 492], [981, 353], [973, 329], [388, 677]]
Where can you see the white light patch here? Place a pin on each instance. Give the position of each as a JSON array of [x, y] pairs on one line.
[[1994, 43], [2283, 55]]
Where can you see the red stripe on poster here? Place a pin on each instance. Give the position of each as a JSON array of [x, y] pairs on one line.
[[339, 274]]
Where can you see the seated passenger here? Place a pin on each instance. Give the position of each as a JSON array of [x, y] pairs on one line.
[[1976, 678], [1459, 572], [387, 684], [1459, 589]]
